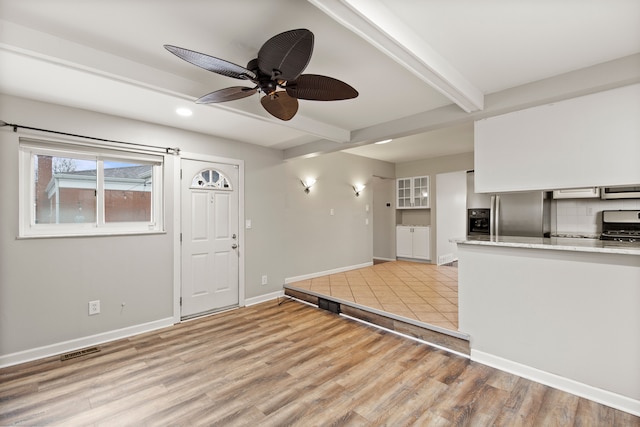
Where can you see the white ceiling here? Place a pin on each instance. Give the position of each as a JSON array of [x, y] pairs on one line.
[[424, 69]]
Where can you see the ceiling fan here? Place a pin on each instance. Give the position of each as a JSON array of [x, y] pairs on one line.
[[276, 72]]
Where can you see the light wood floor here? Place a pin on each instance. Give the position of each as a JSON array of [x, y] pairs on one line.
[[424, 292], [276, 365]]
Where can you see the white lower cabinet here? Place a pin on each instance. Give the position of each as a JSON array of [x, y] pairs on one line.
[[412, 242]]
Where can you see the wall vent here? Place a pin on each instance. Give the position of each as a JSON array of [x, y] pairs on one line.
[[79, 353], [328, 305]]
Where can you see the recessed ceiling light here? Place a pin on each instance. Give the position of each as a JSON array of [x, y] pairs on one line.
[[184, 112], [383, 141]]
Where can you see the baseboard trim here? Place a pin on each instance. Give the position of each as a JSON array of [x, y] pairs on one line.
[[326, 273], [424, 261], [79, 343], [598, 395], [263, 298]]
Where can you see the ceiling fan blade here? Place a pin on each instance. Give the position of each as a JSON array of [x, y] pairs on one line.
[[212, 63], [286, 55], [229, 94], [320, 88], [280, 105]]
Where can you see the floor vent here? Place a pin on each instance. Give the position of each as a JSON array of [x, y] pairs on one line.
[[331, 306], [79, 353]]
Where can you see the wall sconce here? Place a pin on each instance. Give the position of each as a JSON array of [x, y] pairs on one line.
[[307, 184], [358, 189]]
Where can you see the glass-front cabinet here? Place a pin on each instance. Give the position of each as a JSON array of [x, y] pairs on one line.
[[412, 192]]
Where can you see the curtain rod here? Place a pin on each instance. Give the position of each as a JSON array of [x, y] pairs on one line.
[[15, 127]]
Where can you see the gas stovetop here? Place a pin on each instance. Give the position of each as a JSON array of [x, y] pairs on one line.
[[621, 226], [621, 235]]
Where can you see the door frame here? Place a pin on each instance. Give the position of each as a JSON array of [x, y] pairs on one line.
[[177, 226]]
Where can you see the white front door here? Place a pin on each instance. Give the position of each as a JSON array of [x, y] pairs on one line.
[[209, 237]]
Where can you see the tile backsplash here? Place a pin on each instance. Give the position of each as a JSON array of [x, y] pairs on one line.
[[584, 216]]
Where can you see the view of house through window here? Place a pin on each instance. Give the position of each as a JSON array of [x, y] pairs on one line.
[[66, 191], [63, 193], [127, 193], [80, 191]]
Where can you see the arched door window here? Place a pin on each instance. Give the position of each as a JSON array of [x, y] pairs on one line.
[[210, 179]]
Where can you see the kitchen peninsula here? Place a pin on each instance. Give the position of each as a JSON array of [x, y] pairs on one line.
[[561, 311]]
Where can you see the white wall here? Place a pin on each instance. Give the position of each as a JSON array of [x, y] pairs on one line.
[[588, 141], [551, 313]]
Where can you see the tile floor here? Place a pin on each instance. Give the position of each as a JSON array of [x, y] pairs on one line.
[[423, 292]]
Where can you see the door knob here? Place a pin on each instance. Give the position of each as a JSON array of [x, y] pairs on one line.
[[234, 246]]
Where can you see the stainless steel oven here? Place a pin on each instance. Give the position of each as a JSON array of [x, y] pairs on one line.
[[478, 222]]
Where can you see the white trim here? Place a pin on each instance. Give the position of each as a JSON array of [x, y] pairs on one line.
[[263, 298], [177, 246], [177, 255], [326, 273], [381, 28], [595, 394], [384, 259], [79, 343], [27, 227]]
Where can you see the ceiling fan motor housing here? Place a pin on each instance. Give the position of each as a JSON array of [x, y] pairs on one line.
[[266, 83]]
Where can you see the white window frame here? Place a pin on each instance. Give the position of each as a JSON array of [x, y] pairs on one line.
[[27, 225]]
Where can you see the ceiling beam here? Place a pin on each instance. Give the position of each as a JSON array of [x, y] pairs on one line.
[[608, 75], [379, 26]]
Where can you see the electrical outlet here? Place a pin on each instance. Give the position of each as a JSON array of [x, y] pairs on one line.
[[94, 307], [264, 280]]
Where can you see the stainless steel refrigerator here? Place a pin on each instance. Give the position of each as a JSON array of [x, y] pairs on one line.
[[525, 214]]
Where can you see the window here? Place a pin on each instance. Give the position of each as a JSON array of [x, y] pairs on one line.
[[82, 190], [211, 179]]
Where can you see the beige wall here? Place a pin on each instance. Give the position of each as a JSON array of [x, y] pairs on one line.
[[45, 284], [435, 165], [384, 218], [316, 240]]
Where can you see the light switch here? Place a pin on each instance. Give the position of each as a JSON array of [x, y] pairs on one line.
[[366, 221], [366, 208], [248, 224], [331, 212]]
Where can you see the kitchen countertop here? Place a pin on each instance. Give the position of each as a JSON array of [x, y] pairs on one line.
[[554, 243]]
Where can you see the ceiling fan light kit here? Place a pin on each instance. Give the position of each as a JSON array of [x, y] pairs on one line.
[[276, 74]]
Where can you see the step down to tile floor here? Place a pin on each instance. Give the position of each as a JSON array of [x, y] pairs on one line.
[[452, 340]]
